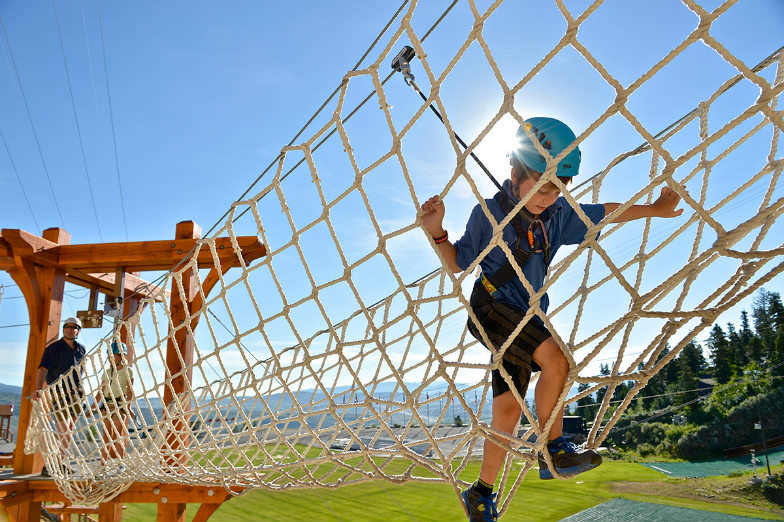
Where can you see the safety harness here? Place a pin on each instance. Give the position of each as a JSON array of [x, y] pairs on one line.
[[506, 272]]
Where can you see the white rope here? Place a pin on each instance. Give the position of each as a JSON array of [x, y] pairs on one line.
[[329, 368]]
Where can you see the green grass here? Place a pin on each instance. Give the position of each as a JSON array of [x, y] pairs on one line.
[[380, 501], [328, 472]]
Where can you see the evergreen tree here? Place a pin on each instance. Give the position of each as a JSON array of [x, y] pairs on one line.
[[604, 371], [776, 310], [586, 411], [692, 356], [687, 380], [621, 391], [745, 332], [719, 348], [657, 385], [777, 368], [737, 351], [764, 322], [755, 350]]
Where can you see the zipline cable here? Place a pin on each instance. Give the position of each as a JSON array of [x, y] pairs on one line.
[[76, 119], [30, 119]]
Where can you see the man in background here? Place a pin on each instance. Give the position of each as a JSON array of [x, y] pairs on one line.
[[58, 360]]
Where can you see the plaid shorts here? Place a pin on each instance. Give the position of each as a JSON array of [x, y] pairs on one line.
[[114, 407], [67, 404], [498, 321]]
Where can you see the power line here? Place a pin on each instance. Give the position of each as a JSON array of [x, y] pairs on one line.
[[19, 179], [69, 293], [89, 56], [645, 146], [274, 161], [76, 118], [111, 119], [30, 119], [318, 111], [668, 394], [14, 325]]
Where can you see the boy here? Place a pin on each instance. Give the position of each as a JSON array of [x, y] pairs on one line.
[[114, 397], [500, 301]]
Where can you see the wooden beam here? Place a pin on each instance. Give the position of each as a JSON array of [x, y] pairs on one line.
[[205, 511], [13, 490], [18, 244], [134, 285], [150, 255], [145, 492], [136, 256], [42, 490]]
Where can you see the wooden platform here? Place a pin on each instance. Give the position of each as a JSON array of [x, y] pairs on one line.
[[35, 488]]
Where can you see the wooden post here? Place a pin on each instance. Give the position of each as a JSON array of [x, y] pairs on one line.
[[171, 512], [110, 512], [179, 351], [179, 359], [43, 289], [113, 511]]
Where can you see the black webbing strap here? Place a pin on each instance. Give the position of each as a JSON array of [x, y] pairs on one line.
[[507, 272]]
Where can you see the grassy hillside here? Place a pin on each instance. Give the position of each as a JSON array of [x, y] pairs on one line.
[[543, 501]]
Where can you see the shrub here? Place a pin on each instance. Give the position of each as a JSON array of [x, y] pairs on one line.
[[773, 489], [736, 428], [646, 449]]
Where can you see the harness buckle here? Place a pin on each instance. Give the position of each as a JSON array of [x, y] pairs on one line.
[[488, 285]]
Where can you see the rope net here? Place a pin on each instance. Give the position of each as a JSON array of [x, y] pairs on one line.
[[332, 360]]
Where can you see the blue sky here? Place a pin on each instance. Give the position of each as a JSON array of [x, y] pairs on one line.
[[204, 95]]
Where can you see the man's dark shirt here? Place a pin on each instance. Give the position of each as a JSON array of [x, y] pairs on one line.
[[58, 358]]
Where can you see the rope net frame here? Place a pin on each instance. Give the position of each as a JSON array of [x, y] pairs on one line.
[[331, 361]]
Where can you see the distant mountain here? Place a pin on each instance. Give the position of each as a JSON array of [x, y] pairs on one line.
[[12, 395], [8, 388], [150, 409]]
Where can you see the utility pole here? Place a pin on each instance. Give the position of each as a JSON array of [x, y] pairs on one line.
[[427, 405], [761, 427]]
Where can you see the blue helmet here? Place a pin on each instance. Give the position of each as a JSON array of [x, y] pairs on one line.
[[555, 136], [117, 348]]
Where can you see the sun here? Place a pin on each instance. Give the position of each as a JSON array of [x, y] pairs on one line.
[[494, 150]]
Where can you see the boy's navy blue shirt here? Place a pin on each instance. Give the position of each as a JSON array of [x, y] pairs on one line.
[[58, 358], [564, 227]]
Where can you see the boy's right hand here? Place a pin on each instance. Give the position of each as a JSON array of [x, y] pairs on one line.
[[433, 215]]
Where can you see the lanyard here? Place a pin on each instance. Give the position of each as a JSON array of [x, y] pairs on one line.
[[533, 242]]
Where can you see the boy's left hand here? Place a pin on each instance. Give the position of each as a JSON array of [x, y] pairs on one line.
[[665, 204]]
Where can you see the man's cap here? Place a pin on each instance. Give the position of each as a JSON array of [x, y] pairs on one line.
[[72, 320], [554, 136]]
